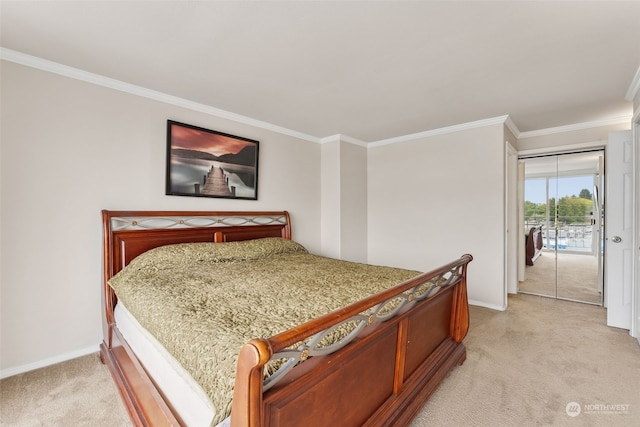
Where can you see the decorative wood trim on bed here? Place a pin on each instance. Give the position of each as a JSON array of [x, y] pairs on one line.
[[388, 372]]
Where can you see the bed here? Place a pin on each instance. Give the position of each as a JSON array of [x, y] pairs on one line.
[[533, 244], [371, 359]]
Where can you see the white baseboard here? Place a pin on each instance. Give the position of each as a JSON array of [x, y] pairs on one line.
[[491, 306], [5, 373]]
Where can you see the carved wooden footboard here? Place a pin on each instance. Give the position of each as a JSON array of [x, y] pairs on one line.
[[383, 377], [399, 345]]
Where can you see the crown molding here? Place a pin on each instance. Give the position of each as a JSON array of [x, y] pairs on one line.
[[576, 126], [78, 74], [509, 123], [441, 131], [344, 138], [634, 87]]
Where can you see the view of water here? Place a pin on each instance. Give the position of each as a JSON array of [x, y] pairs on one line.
[[185, 173]]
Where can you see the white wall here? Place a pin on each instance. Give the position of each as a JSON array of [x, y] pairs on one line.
[[330, 206], [436, 198], [353, 202], [344, 200], [70, 149]]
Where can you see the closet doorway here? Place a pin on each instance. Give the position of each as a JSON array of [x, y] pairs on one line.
[[563, 225]]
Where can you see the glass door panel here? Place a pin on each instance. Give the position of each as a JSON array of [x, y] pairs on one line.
[[539, 219], [563, 198], [576, 227]]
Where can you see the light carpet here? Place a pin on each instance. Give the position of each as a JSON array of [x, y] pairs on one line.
[[525, 366], [543, 362], [572, 277], [78, 392]]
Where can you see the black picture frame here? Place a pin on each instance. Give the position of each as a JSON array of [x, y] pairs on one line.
[[207, 163]]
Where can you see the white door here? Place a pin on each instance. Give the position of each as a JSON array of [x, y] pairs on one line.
[[618, 253]]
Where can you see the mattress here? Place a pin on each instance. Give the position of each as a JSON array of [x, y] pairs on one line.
[[187, 398]]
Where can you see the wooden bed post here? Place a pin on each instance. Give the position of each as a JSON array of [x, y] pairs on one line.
[[107, 266], [460, 309], [247, 396]]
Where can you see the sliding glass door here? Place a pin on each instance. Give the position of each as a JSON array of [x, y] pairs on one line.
[[563, 200]]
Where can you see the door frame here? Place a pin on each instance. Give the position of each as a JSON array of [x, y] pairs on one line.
[[513, 234], [635, 286]]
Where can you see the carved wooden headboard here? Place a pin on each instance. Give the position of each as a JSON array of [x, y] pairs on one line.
[[127, 234]]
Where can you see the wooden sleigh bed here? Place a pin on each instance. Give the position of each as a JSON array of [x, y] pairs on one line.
[[402, 342]]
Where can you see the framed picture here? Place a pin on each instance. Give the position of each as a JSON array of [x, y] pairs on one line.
[[206, 163]]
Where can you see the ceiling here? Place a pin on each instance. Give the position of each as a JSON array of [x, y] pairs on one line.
[[367, 70]]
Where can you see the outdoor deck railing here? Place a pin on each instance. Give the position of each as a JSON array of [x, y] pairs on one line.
[[573, 233]]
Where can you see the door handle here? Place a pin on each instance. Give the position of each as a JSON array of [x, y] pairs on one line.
[[616, 239]]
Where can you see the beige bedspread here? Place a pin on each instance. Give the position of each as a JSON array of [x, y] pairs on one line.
[[203, 301]]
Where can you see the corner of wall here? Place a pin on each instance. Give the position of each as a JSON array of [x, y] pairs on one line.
[[344, 200]]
